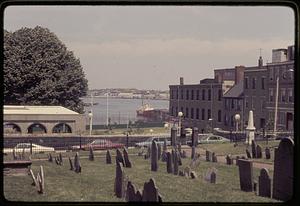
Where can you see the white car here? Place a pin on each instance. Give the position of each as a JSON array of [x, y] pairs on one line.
[[148, 142], [209, 139], [35, 148]]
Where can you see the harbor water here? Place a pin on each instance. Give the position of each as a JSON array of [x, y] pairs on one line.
[[120, 111]]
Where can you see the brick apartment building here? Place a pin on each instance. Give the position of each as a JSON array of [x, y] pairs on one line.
[[215, 102]]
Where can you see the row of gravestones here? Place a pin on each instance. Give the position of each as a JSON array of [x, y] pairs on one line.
[[59, 161], [38, 180], [283, 175], [150, 192], [257, 151], [18, 156]]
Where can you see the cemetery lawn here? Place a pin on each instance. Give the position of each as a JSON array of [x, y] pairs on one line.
[[96, 182]]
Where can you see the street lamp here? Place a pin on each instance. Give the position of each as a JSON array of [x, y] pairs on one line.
[[211, 124], [180, 114], [276, 100], [166, 126], [237, 118], [91, 121]]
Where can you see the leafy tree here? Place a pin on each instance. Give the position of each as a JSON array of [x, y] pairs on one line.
[[39, 70]]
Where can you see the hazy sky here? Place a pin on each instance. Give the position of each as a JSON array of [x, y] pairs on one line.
[[150, 47]]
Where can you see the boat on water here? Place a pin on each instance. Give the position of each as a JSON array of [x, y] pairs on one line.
[[146, 113]]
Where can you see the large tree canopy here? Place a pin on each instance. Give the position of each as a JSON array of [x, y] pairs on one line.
[[39, 70]]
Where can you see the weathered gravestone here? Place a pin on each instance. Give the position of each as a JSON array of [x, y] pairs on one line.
[[150, 192], [119, 157], [14, 154], [71, 164], [119, 180], [264, 183], [248, 153], [214, 157], [179, 149], [268, 153], [50, 159], [246, 175], [169, 163], [193, 152], [132, 195], [91, 155], [42, 181], [164, 152], [126, 158], [179, 158], [254, 186], [193, 175], [154, 156], [195, 136], [236, 159], [187, 171], [159, 151], [175, 154], [208, 156], [211, 175], [283, 176], [229, 160], [173, 136], [184, 154], [34, 183], [108, 157], [77, 163], [253, 147], [258, 151]]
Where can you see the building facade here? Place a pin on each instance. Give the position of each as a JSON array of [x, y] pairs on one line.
[[42, 120]]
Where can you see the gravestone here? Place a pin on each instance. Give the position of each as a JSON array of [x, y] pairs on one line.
[[154, 156], [42, 180], [254, 186], [187, 171], [108, 157], [71, 164], [119, 157], [268, 153], [248, 153], [138, 196], [253, 147], [229, 160], [213, 177], [119, 180], [214, 157], [195, 136], [150, 192], [50, 159], [126, 158], [91, 155], [34, 183], [179, 149], [14, 154], [258, 151], [181, 173], [193, 175], [246, 175], [131, 193], [159, 151], [264, 183], [77, 163], [169, 163], [184, 154], [175, 171], [236, 160], [283, 176], [193, 152], [208, 156], [173, 136], [179, 158]]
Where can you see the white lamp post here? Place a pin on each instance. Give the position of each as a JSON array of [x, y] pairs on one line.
[[237, 118], [91, 121], [180, 114], [166, 126]]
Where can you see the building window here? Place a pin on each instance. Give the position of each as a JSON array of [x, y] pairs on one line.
[[232, 104], [219, 115], [192, 113], [290, 93], [263, 83], [197, 113], [219, 95], [192, 95], [232, 121], [187, 94], [181, 109], [209, 94], [253, 83], [283, 98], [171, 92], [246, 103], [177, 93], [239, 105], [203, 114], [271, 95], [227, 103], [225, 120], [172, 111], [187, 112], [203, 94], [197, 95], [208, 114], [176, 111], [246, 83], [263, 105]]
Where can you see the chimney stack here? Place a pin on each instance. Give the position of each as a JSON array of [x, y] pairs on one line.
[[181, 80]]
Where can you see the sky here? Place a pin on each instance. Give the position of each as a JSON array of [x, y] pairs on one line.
[[150, 47]]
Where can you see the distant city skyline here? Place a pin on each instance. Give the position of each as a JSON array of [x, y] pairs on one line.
[[150, 47]]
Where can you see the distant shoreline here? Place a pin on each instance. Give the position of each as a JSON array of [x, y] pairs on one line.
[[112, 97]]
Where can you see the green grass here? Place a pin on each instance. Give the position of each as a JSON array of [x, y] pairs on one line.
[[96, 181]]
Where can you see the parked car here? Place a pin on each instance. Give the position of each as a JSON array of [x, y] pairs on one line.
[[209, 139], [35, 148], [99, 144], [148, 142]]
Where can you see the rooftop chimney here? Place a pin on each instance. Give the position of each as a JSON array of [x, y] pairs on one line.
[[181, 80]]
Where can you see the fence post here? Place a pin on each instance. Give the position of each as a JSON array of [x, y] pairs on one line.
[[30, 141], [80, 141], [127, 140]]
